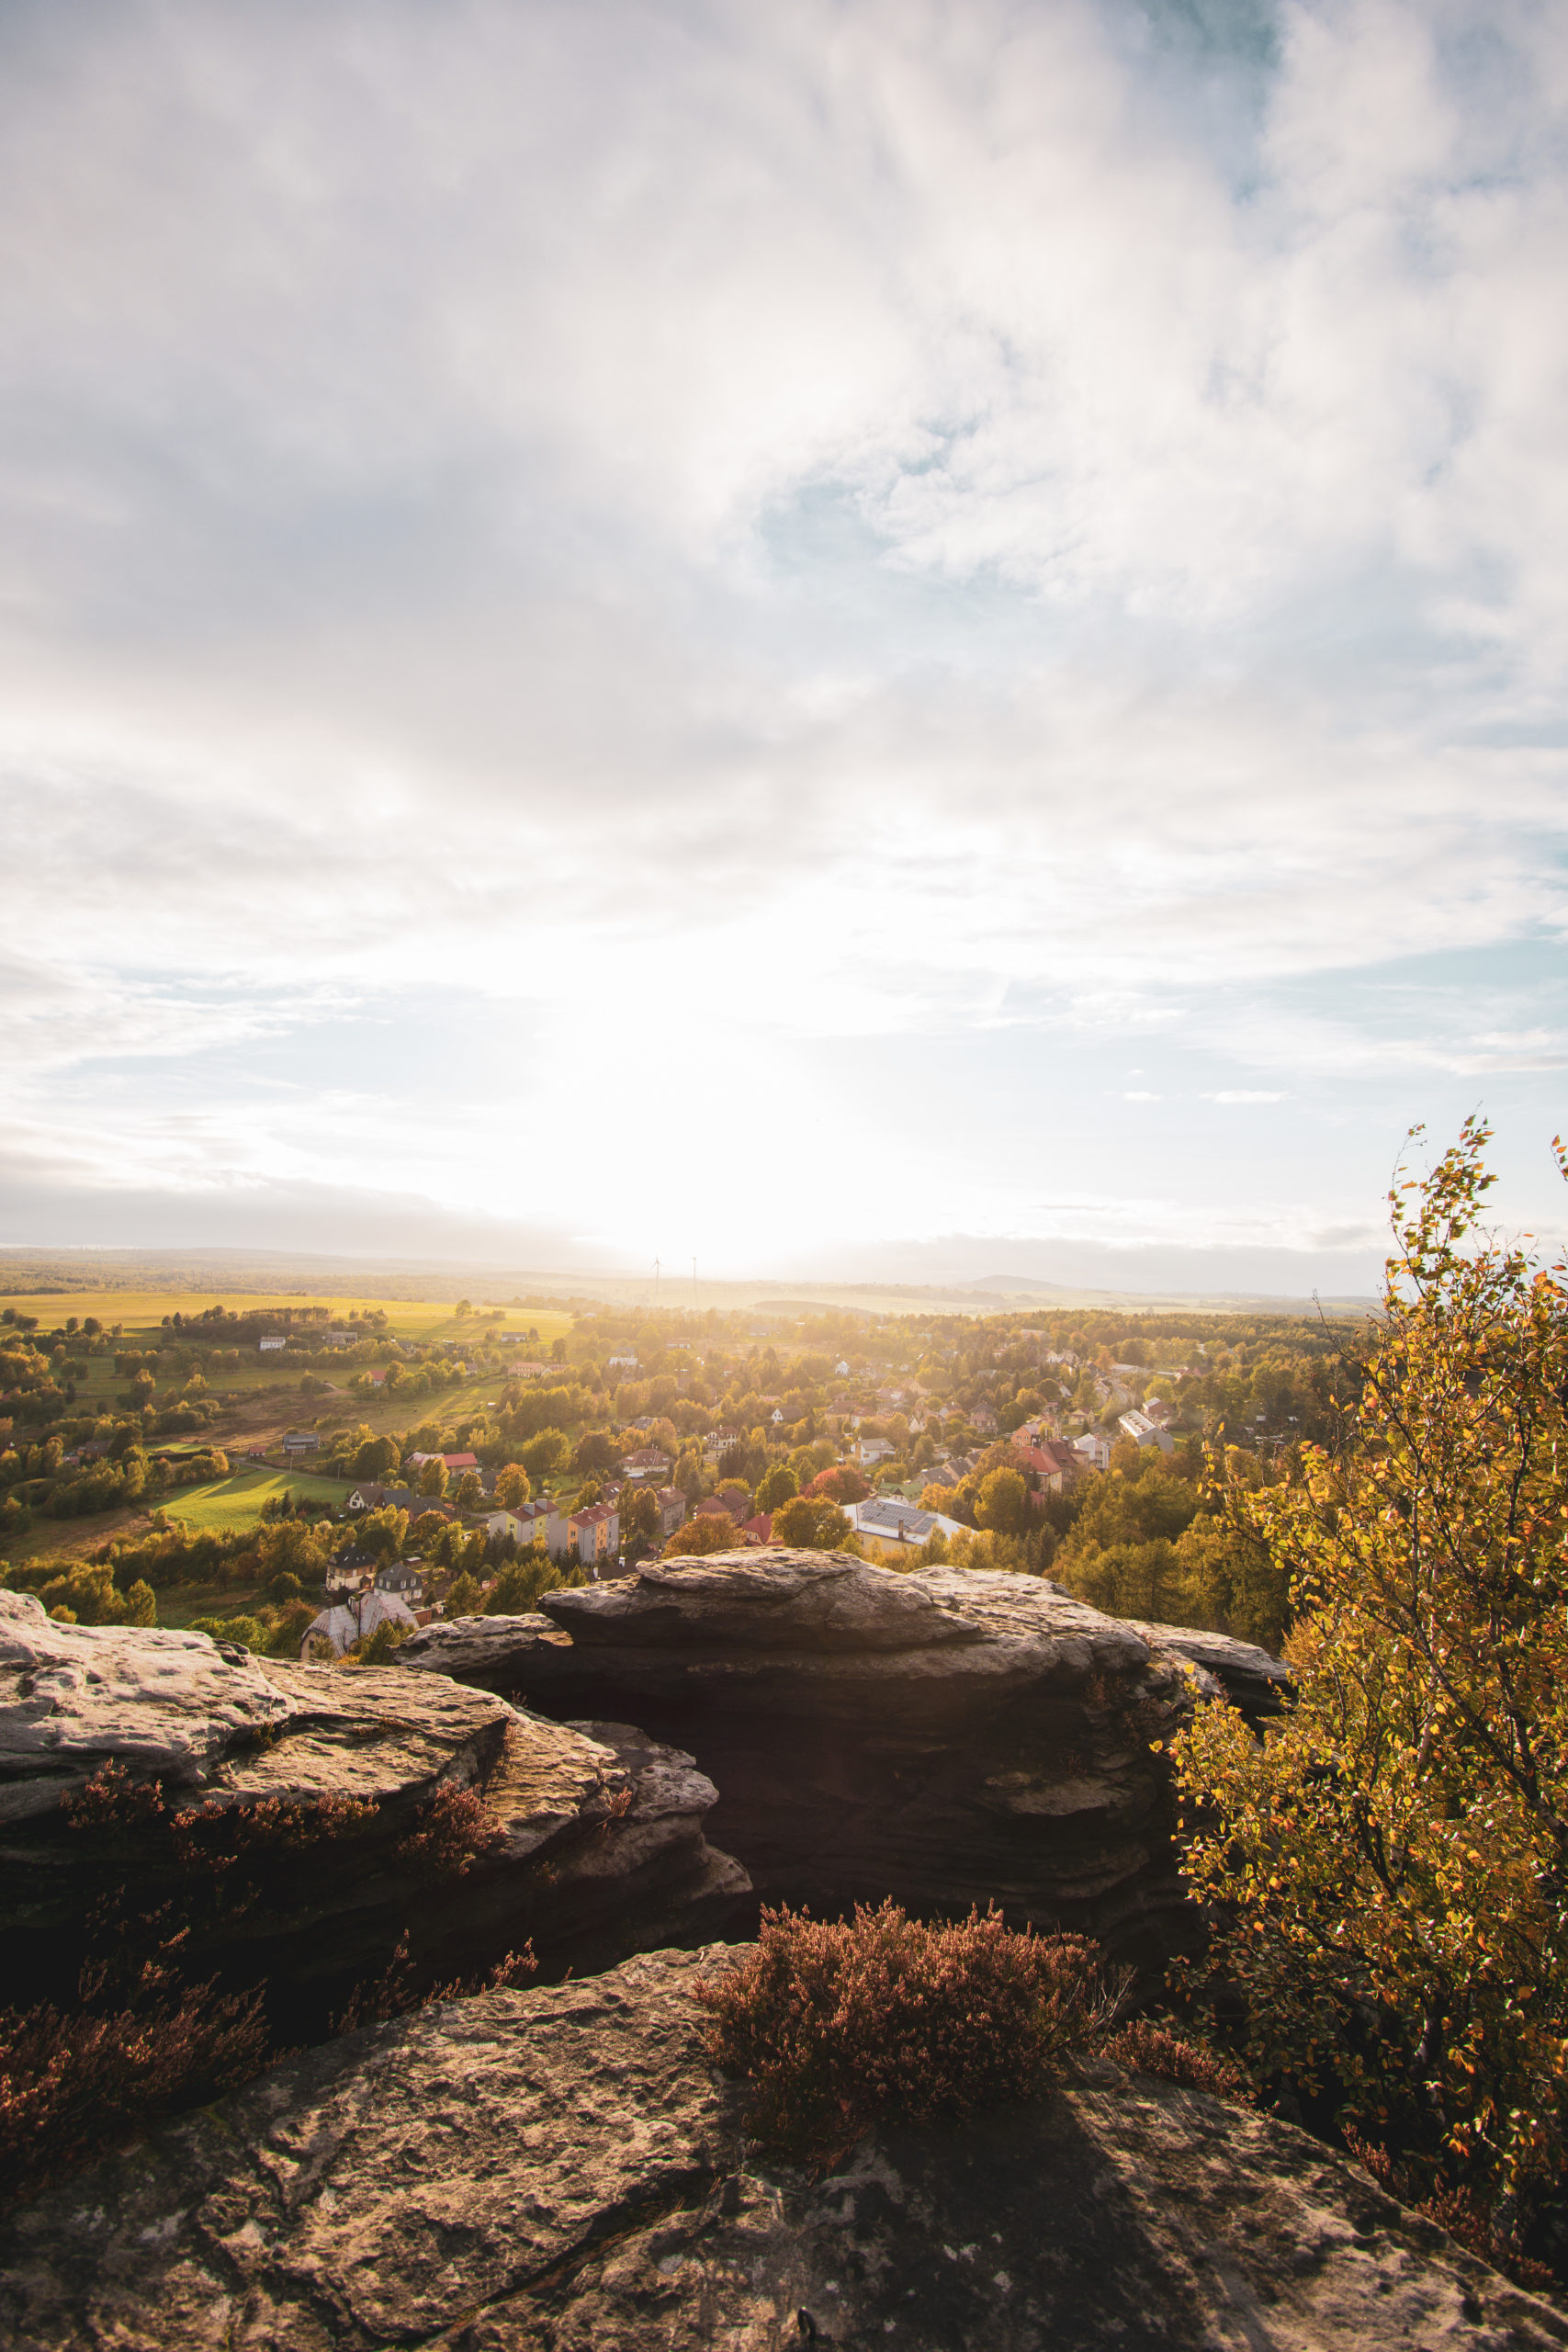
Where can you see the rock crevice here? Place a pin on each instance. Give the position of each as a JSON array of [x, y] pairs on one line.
[[946, 1736]]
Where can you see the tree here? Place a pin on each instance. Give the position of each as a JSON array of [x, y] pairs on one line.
[[1391, 1858], [513, 1486], [842, 1483], [522, 1584], [376, 1458], [466, 1597], [710, 1531], [1002, 1504], [639, 1515], [596, 1450], [470, 1491], [382, 1533], [812, 1523], [778, 1485], [546, 1453], [433, 1477]]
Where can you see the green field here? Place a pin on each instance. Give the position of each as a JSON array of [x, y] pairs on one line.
[[237, 1501], [140, 1311]]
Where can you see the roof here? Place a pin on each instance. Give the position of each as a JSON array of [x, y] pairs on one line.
[[881, 1515]]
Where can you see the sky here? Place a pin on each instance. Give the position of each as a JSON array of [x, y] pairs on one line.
[[875, 638]]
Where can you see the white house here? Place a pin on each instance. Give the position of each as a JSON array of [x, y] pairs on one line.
[[1142, 1431], [889, 1526], [1096, 1450], [266, 1345], [349, 1621], [870, 1450]]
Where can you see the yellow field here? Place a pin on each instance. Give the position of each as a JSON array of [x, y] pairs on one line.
[[143, 1310]]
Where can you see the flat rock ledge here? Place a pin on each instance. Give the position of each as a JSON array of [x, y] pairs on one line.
[[595, 1835], [946, 1736], [563, 2170]]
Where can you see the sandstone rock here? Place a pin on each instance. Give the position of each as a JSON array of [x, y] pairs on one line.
[[592, 1847], [946, 1736], [562, 2171], [72, 1696]]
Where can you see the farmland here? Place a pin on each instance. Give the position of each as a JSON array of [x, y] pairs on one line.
[[139, 1313]]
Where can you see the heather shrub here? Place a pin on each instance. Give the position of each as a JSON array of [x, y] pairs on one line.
[[842, 2024], [148, 2033], [75, 2083]]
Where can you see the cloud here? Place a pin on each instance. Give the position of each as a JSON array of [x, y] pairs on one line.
[[709, 536]]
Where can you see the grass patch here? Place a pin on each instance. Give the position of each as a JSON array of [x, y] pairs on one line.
[[236, 1501]]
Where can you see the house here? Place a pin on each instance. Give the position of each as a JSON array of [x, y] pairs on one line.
[[401, 1578], [623, 1360], [711, 1507], [758, 1530], [671, 1509], [348, 1569], [1053, 1464], [888, 1526], [455, 1463], [719, 1442], [1093, 1449], [526, 1370], [982, 1418], [596, 1534], [273, 1339], [370, 1497], [648, 1462], [872, 1450], [348, 1621], [299, 1442], [776, 1416], [1142, 1431], [533, 1522]]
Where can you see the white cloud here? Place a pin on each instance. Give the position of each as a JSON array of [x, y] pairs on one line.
[[722, 533]]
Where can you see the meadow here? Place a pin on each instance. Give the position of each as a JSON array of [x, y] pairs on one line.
[[140, 1311], [237, 1500]]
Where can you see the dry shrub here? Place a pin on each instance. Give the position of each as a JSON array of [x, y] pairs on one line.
[[1150, 2046], [395, 1991], [840, 2025], [1460, 2212], [454, 1828], [75, 2083], [143, 2038]]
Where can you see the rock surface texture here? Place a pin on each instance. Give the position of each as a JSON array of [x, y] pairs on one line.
[[589, 1846], [562, 2171], [946, 1737]]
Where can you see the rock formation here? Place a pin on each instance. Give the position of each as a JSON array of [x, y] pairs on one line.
[[587, 1845], [946, 1736], [562, 2170]]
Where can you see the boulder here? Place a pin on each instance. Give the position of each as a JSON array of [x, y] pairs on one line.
[[314, 1788], [562, 2170], [947, 1736]]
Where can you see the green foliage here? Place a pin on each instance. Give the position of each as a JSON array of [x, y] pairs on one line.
[[523, 1583], [778, 1485], [1002, 1503], [1390, 1860], [466, 1597], [812, 1523], [709, 1531], [513, 1486]]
